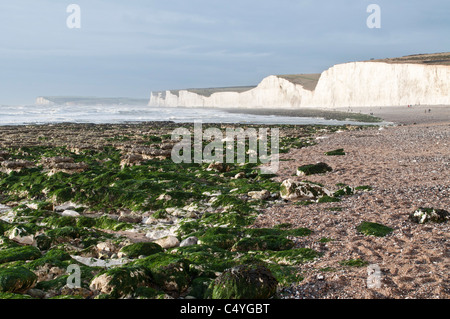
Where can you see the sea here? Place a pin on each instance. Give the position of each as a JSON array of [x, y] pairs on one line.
[[119, 114]]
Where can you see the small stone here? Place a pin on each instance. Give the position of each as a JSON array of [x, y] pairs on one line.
[[129, 218], [70, 213], [168, 242], [261, 195], [36, 293], [239, 175], [189, 241]]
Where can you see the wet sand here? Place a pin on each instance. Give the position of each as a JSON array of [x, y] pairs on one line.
[[397, 114]]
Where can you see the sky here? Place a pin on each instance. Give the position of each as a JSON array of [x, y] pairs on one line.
[[130, 48]]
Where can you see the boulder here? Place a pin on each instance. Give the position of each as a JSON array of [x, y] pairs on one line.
[[245, 282], [191, 241], [291, 190], [140, 249], [311, 169], [168, 242], [19, 253], [70, 213], [169, 272], [16, 280], [259, 195], [429, 215], [121, 282], [21, 235]]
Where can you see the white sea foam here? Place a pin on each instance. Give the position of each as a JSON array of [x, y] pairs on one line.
[[113, 114]]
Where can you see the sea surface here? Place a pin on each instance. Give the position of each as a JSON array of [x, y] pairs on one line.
[[116, 114]]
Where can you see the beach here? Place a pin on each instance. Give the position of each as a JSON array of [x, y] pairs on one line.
[[108, 198], [407, 167]]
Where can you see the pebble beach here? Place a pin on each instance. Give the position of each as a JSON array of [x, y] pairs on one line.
[[107, 197]]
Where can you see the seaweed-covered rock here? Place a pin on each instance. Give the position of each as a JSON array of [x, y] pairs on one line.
[[275, 243], [245, 282], [291, 190], [338, 152], [43, 242], [4, 226], [140, 249], [345, 191], [374, 229], [16, 280], [223, 238], [169, 272], [19, 253], [429, 215], [121, 282], [312, 169]]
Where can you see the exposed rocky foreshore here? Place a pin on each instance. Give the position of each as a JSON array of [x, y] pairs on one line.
[[109, 200]]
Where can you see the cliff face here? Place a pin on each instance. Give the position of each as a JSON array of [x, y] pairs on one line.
[[383, 84], [272, 92], [351, 84]]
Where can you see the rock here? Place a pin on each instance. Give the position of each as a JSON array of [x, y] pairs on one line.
[[121, 282], [261, 195], [291, 190], [16, 280], [245, 282], [240, 175], [140, 249], [23, 253], [15, 165], [158, 234], [429, 215], [4, 209], [263, 243], [36, 293], [66, 206], [168, 242], [164, 197], [169, 272], [191, 241], [338, 152], [131, 218], [22, 236], [319, 168], [218, 167], [374, 229], [131, 160], [70, 213]]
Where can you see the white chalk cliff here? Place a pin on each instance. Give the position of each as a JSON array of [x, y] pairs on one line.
[[356, 84]]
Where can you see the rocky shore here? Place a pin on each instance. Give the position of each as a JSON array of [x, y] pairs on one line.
[[109, 201]]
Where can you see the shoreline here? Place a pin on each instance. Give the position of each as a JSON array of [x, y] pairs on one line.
[[403, 115]]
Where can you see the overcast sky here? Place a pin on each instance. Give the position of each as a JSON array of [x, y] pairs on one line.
[[129, 48]]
